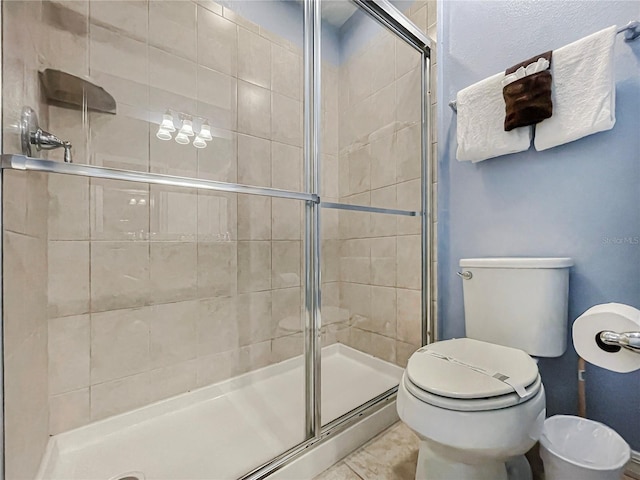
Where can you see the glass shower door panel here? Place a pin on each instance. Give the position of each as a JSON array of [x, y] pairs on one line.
[[371, 304], [371, 117]]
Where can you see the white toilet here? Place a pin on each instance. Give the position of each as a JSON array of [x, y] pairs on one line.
[[477, 402]]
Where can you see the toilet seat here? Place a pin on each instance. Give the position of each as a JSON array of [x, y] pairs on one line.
[[470, 375]]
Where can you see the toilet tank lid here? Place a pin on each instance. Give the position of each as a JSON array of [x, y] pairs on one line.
[[517, 262]]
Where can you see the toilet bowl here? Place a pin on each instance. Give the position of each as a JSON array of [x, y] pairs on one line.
[[478, 403], [470, 422]]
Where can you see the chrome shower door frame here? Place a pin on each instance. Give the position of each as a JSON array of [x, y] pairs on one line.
[[387, 15]]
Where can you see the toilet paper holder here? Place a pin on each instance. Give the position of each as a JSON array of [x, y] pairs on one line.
[[612, 341]]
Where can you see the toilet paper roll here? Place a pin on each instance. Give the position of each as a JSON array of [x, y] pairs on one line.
[[615, 317]]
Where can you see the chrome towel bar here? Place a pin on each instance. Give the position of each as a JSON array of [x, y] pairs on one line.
[[631, 32]]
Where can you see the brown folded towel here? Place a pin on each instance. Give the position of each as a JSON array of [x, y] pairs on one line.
[[528, 100]]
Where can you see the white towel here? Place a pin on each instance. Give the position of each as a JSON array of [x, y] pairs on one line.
[[583, 91], [481, 134]]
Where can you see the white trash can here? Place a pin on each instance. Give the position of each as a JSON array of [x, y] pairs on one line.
[[573, 448]]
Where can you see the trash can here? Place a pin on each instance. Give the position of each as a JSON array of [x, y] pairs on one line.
[[573, 448]]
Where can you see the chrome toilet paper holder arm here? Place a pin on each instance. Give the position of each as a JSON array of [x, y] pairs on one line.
[[627, 340]]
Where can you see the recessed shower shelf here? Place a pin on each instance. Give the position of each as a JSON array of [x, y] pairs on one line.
[[22, 162]]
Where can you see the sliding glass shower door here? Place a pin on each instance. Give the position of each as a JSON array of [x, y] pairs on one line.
[[371, 192], [232, 267]]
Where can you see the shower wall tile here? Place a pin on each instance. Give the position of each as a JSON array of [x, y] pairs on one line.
[[286, 167], [118, 396], [217, 367], [383, 310], [254, 266], [254, 356], [173, 271], [173, 333], [217, 99], [69, 410], [383, 261], [68, 278], [409, 316], [286, 120], [171, 72], [408, 154], [283, 348], [68, 208], [217, 269], [217, 42], [26, 413], [130, 19], [286, 264], [254, 110], [69, 353], [217, 216], [254, 58], [286, 72], [408, 89], [64, 36], [173, 214], [217, 326], [106, 45], [119, 275], [219, 163], [172, 380], [408, 271], [286, 311], [171, 158], [120, 343], [254, 161], [254, 317], [118, 210], [115, 140], [286, 219], [172, 27]]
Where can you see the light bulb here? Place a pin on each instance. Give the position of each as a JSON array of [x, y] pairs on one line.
[[199, 142], [181, 138], [167, 122], [205, 132], [187, 128], [163, 134]]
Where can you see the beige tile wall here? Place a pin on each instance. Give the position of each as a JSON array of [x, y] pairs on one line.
[[154, 291], [26, 413]]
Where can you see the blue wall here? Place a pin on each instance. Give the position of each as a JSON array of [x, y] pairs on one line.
[[580, 200]]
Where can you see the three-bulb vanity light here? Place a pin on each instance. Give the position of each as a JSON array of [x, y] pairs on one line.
[[167, 127]]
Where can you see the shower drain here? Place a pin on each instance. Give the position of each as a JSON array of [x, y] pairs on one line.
[[129, 476]]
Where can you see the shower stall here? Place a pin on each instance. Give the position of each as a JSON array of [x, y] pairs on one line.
[[234, 267]]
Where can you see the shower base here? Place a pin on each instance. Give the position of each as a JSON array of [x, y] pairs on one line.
[[226, 429]]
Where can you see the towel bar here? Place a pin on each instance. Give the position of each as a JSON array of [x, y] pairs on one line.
[[631, 32]]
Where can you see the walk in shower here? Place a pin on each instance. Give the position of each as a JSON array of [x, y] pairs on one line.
[[234, 266]]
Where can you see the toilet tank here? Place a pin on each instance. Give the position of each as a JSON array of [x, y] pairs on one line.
[[518, 302]]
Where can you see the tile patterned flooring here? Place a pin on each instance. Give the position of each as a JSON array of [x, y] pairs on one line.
[[392, 455]]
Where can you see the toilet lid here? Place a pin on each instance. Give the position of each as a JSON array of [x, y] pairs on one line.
[[465, 368]]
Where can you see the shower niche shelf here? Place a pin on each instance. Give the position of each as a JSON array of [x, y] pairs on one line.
[[69, 91]]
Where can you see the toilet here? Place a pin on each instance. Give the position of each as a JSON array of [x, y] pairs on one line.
[[477, 403]]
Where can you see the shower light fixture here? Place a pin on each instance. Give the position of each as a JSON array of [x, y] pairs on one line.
[[182, 139], [167, 122], [199, 142], [187, 128], [163, 134], [205, 132]]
